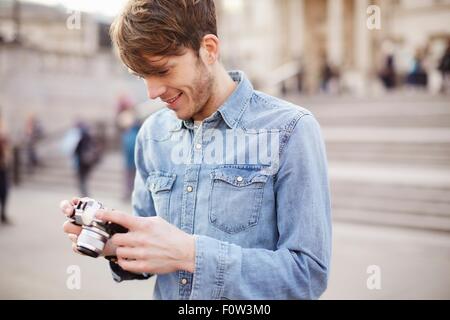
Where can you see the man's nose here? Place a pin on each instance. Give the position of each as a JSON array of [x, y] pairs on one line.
[[155, 88]]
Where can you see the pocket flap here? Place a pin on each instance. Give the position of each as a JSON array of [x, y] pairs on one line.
[[160, 181], [239, 177]]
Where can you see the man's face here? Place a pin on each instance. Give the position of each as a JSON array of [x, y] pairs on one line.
[[185, 83]]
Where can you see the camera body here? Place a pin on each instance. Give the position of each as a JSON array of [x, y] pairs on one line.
[[95, 233]]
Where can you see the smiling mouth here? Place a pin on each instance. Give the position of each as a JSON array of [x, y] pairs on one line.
[[170, 101]]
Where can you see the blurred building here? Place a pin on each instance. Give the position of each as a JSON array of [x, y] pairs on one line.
[[59, 68], [263, 36], [51, 66]]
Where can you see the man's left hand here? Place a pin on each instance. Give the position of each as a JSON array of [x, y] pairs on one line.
[[152, 245]]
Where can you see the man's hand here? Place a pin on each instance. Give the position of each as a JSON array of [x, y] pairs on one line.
[[152, 245], [73, 231]]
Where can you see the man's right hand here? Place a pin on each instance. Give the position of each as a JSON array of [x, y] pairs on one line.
[[73, 231]]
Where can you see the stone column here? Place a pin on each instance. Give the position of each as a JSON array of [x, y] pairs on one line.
[[348, 38], [363, 54], [335, 31], [297, 28], [315, 42]]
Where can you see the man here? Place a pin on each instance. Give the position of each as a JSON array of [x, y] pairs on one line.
[[5, 162], [210, 225]]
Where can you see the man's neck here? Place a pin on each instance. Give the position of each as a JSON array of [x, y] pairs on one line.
[[223, 87]]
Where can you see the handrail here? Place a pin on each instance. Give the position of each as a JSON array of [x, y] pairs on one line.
[[280, 75]]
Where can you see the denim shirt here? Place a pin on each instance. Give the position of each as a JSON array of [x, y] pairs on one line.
[[262, 223]]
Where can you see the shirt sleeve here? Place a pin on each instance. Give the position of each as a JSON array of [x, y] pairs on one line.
[[299, 267], [120, 275]]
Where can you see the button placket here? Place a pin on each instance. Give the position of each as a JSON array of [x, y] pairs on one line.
[[187, 221], [197, 148]]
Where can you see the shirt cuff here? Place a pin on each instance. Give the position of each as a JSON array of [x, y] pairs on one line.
[[211, 262], [120, 275]]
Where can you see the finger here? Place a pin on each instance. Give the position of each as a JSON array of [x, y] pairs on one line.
[[66, 208], [129, 253], [74, 248], [110, 249], [135, 266], [120, 218], [125, 240], [75, 201], [73, 237], [69, 227]]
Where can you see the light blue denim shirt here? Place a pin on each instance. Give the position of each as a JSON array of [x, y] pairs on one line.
[[257, 203]]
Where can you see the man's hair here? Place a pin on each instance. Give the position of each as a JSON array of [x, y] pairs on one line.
[[161, 28]]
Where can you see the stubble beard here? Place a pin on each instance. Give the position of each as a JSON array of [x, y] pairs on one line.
[[203, 88]]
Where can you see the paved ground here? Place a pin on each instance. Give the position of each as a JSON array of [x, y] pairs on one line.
[[413, 264], [36, 254]]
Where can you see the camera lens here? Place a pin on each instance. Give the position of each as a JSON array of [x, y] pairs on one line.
[[87, 252], [92, 239]]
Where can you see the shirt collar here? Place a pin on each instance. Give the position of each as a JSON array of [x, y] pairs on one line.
[[236, 104], [234, 107]]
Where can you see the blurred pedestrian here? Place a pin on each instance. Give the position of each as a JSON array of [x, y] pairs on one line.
[[444, 68], [33, 134], [388, 74], [130, 127], [124, 103], [86, 156], [329, 78], [326, 76], [417, 77], [5, 156]]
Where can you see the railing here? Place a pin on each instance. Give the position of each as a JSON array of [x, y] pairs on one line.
[[278, 78]]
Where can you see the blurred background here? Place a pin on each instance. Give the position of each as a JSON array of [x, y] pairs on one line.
[[375, 73]]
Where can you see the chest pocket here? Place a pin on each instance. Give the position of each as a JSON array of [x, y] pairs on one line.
[[160, 185], [236, 198]]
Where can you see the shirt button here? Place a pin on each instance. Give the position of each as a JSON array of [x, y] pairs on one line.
[[184, 281], [239, 179], [189, 189], [198, 146]]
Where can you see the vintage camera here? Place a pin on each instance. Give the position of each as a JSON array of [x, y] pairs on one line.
[[95, 232]]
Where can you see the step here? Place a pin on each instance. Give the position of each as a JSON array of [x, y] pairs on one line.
[[390, 191], [390, 174], [72, 181], [413, 207], [392, 219]]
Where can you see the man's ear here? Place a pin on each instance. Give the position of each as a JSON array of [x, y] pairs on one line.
[[210, 44]]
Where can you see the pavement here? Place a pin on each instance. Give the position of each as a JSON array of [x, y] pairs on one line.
[[36, 257]]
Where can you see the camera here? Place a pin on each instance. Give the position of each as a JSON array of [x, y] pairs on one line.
[[95, 232]]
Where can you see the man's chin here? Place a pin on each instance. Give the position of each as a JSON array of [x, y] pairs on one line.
[[182, 116]]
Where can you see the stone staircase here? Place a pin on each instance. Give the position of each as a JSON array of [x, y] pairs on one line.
[[389, 159], [58, 173], [390, 195]]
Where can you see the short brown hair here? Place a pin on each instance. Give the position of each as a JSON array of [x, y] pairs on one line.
[[161, 28]]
